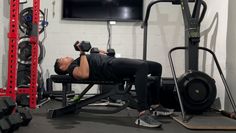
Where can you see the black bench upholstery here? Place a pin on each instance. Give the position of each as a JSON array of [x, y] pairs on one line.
[[69, 79]]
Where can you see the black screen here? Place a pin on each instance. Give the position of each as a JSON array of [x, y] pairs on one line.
[[103, 10]]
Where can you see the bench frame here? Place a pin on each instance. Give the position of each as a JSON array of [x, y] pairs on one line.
[[75, 107]]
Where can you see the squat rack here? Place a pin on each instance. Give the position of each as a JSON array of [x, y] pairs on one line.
[[13, 35]]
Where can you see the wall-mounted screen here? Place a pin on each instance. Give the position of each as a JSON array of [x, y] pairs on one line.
[[103, 10]]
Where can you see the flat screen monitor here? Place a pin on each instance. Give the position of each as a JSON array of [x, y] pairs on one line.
[[103, 10]]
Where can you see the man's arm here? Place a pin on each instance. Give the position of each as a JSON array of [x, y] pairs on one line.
[[82, 71]]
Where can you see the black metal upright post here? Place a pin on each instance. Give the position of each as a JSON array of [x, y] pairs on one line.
[[192, 33], [189, 24], [145, 24]]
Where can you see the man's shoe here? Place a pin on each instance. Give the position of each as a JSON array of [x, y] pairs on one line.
[[147, 120], [161, 111]]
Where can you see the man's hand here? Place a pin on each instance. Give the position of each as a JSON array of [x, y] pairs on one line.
[[103, 52]]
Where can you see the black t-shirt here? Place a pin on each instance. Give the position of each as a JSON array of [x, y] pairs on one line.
[[99, 66]]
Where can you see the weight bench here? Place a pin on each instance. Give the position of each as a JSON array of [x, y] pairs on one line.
[[66, 82]]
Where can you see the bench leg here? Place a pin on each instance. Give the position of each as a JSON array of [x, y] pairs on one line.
[[72, 108], [66, 88]]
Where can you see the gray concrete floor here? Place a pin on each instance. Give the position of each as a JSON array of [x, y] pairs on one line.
[[122, 122]]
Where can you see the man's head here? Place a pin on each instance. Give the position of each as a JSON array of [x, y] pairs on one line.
[[61, 65]]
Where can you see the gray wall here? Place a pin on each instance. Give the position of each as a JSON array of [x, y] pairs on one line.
[[4, 24], [230, 53]]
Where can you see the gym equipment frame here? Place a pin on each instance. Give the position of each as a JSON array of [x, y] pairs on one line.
[[13, 35], [176, 80], [192, 38]]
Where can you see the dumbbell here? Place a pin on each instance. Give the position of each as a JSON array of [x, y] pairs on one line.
[[10, 123], [94, 50], [14, 121], [83, 46], [7, 106], [25, 115], [111, 52], [4, 126]]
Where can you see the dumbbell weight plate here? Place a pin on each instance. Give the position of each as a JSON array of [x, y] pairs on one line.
[[7, 105], [24, 51], [14, 120], [94, 50], [84, 46], [25, 115], [4, 126], [111, 52]]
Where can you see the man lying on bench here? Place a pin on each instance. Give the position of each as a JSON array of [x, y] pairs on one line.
[[99, 66]]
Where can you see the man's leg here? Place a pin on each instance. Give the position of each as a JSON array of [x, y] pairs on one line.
[[123, 67], [155, 69], [154, 90]]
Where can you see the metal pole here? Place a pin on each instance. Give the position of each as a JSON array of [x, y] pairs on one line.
[[13, 36], [34, 54]]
